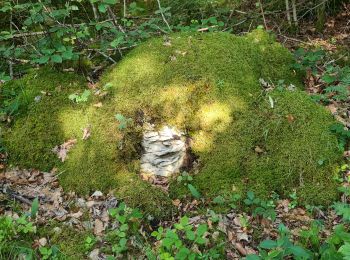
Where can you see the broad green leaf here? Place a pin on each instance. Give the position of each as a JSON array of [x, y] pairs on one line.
[[202, 228], [56, 58], [298, 251], [102, 8], [110, 2], [42, 59], [190, 235], [268, 244], [345, 250], [195, 193]]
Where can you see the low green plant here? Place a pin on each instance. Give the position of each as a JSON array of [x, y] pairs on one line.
[[16, 236], [123, 121], [293, 200], [335, 80], [280, 248], [186, 242], [51, 253], [127, 221], [260, 207], [343, 135], [232, 200], [306, 59], [90, 241], [185, 178], [79, 98]]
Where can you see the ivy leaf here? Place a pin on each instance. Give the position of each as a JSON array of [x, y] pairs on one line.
[[183, 253]]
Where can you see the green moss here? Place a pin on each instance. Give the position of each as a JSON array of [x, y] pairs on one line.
[[36, 130], [207, 85], [69, 241]]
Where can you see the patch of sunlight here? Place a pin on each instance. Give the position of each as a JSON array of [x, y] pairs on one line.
[[202, 141], [176, 93], [72, 122], [141, 67], [215, 117]]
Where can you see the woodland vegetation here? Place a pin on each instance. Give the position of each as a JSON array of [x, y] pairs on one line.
[[258, 93]]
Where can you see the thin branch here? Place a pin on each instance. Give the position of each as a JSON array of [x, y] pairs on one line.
[[163, 16], [124, 12], [295, 17], [262, 13], [94, 11], [288, 12], [316, 6]]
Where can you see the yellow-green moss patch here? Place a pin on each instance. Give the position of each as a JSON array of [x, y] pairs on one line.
[[206, 85]]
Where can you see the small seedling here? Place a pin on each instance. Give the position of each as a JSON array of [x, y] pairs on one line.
[[80, 98]]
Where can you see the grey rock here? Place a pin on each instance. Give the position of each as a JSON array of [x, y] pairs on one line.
[[164, 151]]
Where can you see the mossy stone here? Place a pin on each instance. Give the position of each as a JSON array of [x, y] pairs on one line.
[[207, 85]]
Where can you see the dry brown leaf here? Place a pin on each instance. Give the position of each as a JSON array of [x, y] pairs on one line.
[[76, 215], [290, 118], [98, 227], [258, 149], [240, 248], [176, 202], [42, 241], [332, 108], [62, 150], [86, 132], [98, 105]]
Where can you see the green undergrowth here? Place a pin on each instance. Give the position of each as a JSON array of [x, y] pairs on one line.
[[71, 243], [207, 85]]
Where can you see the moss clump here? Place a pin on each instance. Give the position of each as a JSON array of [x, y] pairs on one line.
[[70, 242], [207, 85], [37, 129]]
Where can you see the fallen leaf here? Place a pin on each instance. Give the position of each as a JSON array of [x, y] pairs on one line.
[[86, 132], [98, 227], [258, 149], [98, 105], [94, 254], [62, 150], [97, 194], [290, 118], [176, 202], [332, 108], [42, 241], [89, 204], [76, 215], [240, 248]]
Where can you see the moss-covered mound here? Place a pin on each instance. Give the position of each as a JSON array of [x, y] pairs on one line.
[[207, 85]]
